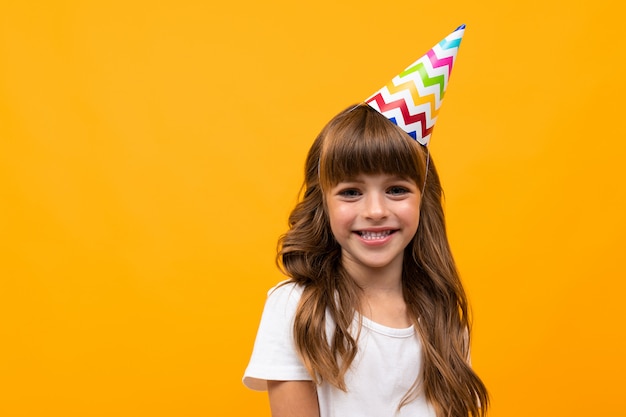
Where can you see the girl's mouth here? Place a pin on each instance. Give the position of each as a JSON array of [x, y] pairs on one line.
[[368, 235]]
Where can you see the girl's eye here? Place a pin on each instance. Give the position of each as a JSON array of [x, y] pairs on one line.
[[349, 193], [397, 190]]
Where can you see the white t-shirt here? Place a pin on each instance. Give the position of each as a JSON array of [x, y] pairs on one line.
[[386, 366]]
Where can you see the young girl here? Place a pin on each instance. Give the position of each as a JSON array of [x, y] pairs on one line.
[[373, 320]]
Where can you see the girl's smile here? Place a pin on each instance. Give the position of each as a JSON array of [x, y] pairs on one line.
[[373, 217], [375, 237]]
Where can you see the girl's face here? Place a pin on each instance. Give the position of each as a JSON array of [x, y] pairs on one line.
[[373, 217]]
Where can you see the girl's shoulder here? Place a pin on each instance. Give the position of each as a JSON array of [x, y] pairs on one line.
[[286, 293]]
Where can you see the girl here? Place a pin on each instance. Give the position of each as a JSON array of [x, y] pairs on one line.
[[373, 320]]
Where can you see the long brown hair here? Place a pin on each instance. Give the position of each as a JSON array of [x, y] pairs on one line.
[[361, 140]]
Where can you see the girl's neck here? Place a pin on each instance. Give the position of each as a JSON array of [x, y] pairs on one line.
[[382, 299], [384, 280]]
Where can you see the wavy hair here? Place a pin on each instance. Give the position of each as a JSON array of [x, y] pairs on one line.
[[361, 140]]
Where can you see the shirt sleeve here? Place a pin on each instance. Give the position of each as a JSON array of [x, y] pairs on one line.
[[274, 356]]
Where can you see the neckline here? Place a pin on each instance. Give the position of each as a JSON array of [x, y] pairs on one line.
[[386, 330]]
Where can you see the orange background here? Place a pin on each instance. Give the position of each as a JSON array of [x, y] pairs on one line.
[[150, 153]]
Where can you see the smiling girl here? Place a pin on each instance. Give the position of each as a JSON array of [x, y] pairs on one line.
[[373, 320]]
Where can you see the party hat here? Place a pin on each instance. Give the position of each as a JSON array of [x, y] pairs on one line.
[[412, 99]]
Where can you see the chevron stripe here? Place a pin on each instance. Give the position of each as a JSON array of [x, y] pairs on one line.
[[450, 43], [415, 95], [401, 105], [414, 108], [441, 62], [427, 80]]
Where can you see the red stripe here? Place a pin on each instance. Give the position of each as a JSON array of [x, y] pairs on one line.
[[401, 104]]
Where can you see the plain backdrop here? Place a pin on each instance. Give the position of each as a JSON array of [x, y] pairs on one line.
[[150, 153]]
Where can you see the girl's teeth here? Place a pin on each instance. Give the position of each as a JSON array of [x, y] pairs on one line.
[[375, 235]]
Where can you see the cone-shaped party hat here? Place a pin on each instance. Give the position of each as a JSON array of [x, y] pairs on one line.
[[412, 99]]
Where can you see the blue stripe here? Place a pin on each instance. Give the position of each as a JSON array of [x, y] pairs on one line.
[[445, 44]]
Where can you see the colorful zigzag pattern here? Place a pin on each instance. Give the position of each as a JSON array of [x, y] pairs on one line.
[[413, 98]]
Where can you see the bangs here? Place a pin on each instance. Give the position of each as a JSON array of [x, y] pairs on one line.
[[362, 141]]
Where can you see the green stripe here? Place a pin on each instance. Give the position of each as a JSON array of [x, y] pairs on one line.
[[427, 80]]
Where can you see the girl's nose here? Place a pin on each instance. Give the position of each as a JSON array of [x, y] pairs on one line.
[[375, 207]]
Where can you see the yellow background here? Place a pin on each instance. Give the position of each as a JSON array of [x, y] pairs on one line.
[[150, 153]]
